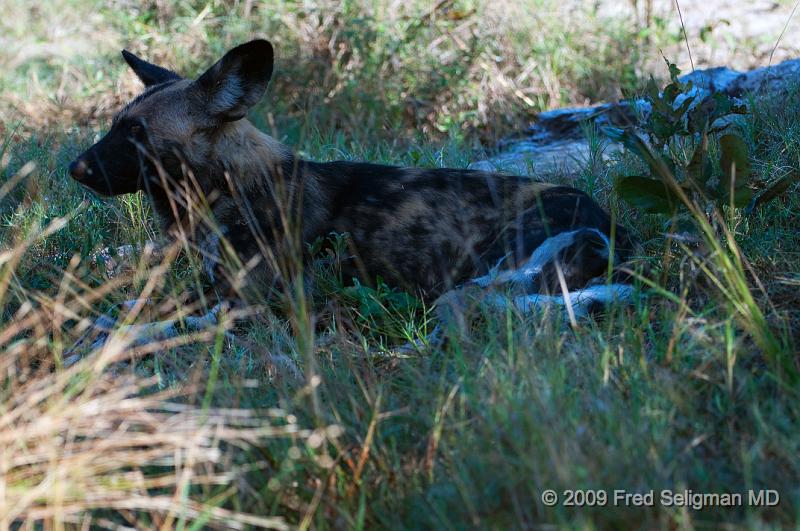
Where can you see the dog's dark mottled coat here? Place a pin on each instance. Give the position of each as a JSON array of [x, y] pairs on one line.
[[187, 143]]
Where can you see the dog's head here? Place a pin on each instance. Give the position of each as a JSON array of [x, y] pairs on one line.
[[175, 120]]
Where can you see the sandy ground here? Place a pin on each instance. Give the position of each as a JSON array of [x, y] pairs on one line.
[[740, 34]]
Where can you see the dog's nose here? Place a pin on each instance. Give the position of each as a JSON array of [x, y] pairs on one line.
[[78, 169]]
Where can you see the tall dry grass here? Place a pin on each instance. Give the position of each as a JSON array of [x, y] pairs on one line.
[[96, 443]]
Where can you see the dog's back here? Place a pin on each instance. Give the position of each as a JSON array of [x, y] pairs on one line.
[[431, 229]]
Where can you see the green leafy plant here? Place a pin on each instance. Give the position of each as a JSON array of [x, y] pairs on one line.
[[717, 167], [378, 310]]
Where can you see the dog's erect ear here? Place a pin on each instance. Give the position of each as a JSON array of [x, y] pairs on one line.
[[149, 73], [237, 81]]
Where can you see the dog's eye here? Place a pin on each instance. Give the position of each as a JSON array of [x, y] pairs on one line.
[[136, 129]]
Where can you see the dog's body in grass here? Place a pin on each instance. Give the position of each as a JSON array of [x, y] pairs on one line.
[[252, 207]]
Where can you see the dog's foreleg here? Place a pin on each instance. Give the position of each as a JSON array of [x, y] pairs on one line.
[[107, 327], [106, 332], [136, 335]]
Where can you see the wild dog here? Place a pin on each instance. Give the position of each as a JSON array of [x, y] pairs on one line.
[[187, 143]]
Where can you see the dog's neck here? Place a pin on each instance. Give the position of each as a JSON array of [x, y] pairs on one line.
[[248, 159], [244, 165]]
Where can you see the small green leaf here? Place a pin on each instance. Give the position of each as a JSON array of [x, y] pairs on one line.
[[659, 166], [773, 191], [671, 92], [741, 196], [681, 111], [700, 168], [650, 195], [699, 117], [725, 105], [662, 127], [652, 91], [674, 71], [734, 155], [735, 165]]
